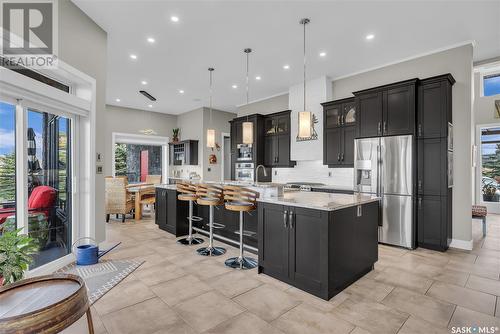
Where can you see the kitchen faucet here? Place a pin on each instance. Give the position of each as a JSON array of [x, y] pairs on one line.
[[257, 174]]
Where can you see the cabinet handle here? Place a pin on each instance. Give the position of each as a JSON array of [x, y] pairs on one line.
[[420, 130], [379, 128], [338, 157], [342, 157], [290, 218], [420, 203], [343, 119], [385, 127], [419, 185], [339, 120], [285, 215], [360, 211]]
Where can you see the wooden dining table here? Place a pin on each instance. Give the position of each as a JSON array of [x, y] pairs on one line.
[[139, 190]]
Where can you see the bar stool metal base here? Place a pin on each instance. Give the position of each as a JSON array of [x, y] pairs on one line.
[[188, 241], [241, 262], [211, 251]]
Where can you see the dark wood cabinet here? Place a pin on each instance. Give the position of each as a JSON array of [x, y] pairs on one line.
[[387, 110], [277, 140], [171, 214], [434, 201], [433, 222], [399, 110], [308, 238], [184, 153], [434, 106], [339, 132], [321, 252], [432, 167], [273, 239], [332, 147], [370, 114]]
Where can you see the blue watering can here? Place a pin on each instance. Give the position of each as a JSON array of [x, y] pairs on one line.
[[87, 254]]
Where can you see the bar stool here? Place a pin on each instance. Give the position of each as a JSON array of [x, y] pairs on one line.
[[188, 193], [211, 196], [242, 200]]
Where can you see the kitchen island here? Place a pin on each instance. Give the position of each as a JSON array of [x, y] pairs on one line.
[[318, 242]]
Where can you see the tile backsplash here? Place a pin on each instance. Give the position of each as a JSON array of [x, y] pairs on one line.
[[315, 171], [184, 170]]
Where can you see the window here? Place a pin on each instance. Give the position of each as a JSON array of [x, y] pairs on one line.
[[491, 84], [7, 164]]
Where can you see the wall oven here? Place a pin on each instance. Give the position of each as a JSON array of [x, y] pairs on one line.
[[244, 171], [244, 152]]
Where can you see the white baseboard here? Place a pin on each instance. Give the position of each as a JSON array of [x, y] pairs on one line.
[[461, 244]]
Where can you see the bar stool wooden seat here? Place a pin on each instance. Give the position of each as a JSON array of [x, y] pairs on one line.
[[211, 196], [242, 200], [188, 193]]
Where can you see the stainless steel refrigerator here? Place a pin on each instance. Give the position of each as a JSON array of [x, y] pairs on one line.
[[383, 166]]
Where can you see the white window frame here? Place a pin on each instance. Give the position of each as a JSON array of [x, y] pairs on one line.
[[80, 106]]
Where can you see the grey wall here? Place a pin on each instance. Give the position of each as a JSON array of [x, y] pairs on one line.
[[220, 122], [83, 45], [267, 106], [458, 62], [128, 120]]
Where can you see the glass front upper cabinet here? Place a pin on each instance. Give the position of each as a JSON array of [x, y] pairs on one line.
[[276, 125], [349, 115]]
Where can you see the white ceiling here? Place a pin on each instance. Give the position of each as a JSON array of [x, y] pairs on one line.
[[211, 33]]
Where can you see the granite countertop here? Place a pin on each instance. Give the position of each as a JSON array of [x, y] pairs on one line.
[[328, 187], [319, 200]]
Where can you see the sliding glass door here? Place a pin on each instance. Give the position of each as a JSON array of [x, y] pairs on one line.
[[49, 184], [490, 168], [45, 203]]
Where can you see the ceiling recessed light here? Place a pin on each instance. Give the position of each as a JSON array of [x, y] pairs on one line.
[[174, 19], [144, 82], [181, 91], [258, 77], [286, 67], [132, 56], [150, 105], [322, 54], [117, 100], [151, 40], [370, 36], [234, 86]]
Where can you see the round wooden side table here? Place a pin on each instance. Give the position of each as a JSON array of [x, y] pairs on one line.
[[44, 304]]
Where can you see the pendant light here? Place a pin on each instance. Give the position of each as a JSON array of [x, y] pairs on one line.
[[304, 130], [247, 126], [210, 132]]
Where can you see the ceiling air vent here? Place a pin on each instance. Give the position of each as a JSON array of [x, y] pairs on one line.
[[146, 94]]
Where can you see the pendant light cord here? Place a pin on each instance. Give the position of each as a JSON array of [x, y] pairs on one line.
[[211, 92], [304, 22], [247, 51]]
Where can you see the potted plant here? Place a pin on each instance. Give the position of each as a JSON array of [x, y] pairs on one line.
[[15, 255], [490, 193], [175, 135]]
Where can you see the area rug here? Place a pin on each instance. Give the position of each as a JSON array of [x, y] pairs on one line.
[[103, 276]]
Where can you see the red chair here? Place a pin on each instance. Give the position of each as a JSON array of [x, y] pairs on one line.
[[41, 200]]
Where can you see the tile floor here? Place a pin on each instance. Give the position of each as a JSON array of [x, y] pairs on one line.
[[177, 291]]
